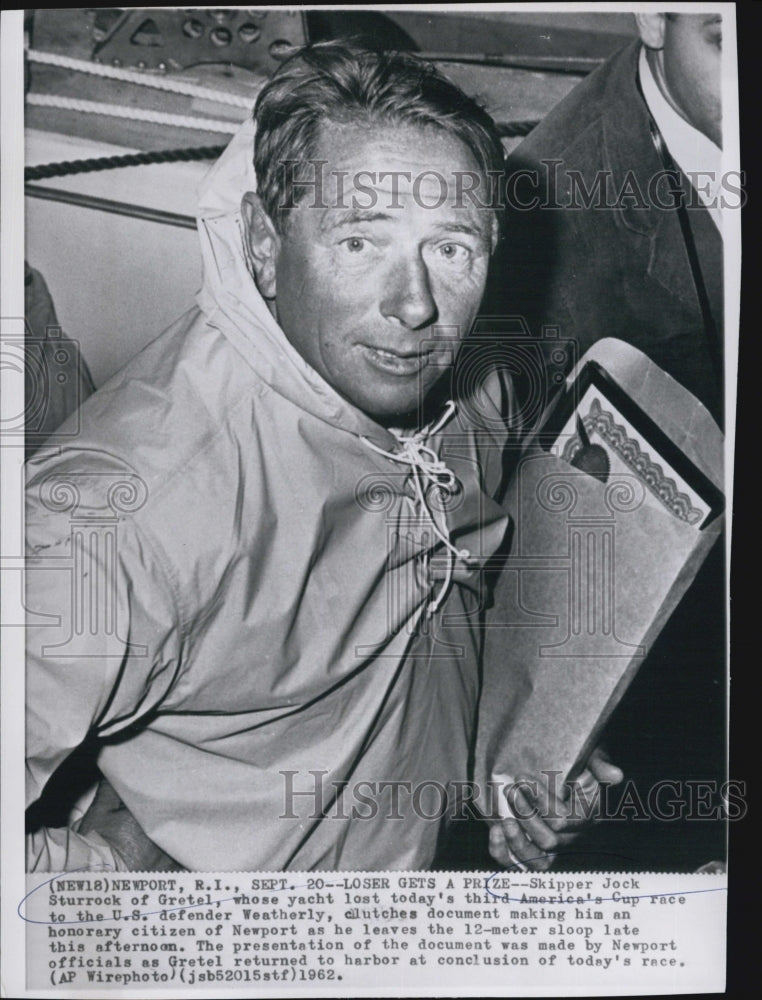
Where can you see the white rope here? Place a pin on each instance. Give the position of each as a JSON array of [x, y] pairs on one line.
[[426, 465], [134, 114], [141, 79]]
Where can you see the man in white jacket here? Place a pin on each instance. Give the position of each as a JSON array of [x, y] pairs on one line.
[[277, 518]]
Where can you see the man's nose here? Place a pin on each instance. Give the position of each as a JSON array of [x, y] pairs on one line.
[[408, 297]]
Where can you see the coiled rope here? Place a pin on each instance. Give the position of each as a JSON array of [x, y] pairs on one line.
[[141, 79], [66, 167], [134, 114]]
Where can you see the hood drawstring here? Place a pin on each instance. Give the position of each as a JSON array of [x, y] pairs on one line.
[[427, 469]]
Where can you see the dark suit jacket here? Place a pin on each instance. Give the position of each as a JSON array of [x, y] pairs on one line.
[[622, 270]]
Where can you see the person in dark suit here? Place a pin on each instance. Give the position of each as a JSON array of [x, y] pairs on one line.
[[596, 247]]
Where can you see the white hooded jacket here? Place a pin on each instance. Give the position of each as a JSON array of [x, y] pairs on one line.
[[231, 585]]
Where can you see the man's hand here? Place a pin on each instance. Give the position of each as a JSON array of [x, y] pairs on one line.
[[536, 825], [111, 818]]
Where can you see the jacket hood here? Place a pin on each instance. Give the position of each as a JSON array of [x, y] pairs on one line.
[[233, 305]]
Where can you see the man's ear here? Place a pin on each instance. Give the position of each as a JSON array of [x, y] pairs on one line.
[[262, 244], [651, 28]]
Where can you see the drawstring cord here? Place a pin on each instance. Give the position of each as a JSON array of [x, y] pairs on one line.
[[427, 468]]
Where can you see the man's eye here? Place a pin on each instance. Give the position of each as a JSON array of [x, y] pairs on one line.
[[354, 244], [454, 252]]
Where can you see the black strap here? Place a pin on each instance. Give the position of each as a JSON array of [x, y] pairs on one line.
[[678, 193]]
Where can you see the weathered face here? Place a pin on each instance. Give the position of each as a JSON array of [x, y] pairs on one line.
[[692, 69], [373, 290]]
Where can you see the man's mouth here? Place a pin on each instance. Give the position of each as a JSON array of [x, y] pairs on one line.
[[397, 362]]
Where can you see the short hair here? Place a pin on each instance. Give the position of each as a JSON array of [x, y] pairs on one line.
[[340, 82]]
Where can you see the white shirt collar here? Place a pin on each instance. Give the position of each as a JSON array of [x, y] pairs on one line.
[[696, 155]]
